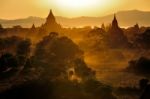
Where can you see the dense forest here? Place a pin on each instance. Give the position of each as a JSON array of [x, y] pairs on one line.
[[52, 62]]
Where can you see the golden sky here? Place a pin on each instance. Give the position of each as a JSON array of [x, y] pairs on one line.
[[13, 9]]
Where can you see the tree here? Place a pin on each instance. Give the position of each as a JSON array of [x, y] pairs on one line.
[[143, 40], [143, 83], [145, 94], [1, 27], [140, 66], [56, 54], [8, 61], [83, 71], [24, 48], [98, 90]]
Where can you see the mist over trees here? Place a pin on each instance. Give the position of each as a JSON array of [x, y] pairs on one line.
[[65, 70], [107, 62]]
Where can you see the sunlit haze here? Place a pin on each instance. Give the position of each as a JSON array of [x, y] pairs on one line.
[[74, 49], [13, 9]]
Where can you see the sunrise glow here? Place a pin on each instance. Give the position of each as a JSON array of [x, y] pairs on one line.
[[13, 9], [78, 4]]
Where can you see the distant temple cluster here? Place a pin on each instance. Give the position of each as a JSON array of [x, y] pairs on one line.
[[115, 35], [49, 26]]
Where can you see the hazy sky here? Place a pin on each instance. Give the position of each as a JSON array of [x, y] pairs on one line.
[[13, 9]]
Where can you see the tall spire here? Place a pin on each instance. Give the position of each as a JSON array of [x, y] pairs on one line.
[[115, 22], [1, 27], [103, 26], [115, 17], [51, 17], [136, 25], [51, 13], [33, 26]]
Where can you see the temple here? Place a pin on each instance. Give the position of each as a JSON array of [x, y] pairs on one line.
[[116, 35], [51, 25], [115, 23]]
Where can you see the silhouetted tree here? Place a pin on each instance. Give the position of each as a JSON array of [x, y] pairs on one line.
[[98, 90], [1, 28], [143, 40], [55, 54], [29, 90], [28, 65], [9, 44], [83, 71], [23, 48], [23, 51], [7, 61], [140, 66], [143, 84], [146, 92]]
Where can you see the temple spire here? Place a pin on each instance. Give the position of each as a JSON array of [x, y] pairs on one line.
[[136, 25], [33, 26], [51, 17], [115, 17], [50, 13], [1, 27], [103, 26], [115, 22]]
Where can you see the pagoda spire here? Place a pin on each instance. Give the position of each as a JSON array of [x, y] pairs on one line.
[[1, 27], [33, 26], [51, 17], [103, 26], [115, 22], [115, 17], [137, 25]]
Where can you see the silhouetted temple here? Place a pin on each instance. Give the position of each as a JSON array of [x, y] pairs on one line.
[[115, 23], [33, 30], [1, 28], [51, 25], [116, 35], [103, 26], [136, 28], [33, 27]]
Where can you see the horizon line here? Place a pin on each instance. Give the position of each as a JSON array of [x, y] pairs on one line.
[[75, 16]]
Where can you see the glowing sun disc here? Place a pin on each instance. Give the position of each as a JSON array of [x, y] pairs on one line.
[[76, 3]]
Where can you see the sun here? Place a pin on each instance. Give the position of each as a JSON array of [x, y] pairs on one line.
[[78, 4], [76, 8]]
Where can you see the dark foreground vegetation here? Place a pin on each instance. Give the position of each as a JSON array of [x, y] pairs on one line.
[[50, 72], [38, 63]]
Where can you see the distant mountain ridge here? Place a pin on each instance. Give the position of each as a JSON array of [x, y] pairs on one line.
[[125, 19]]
